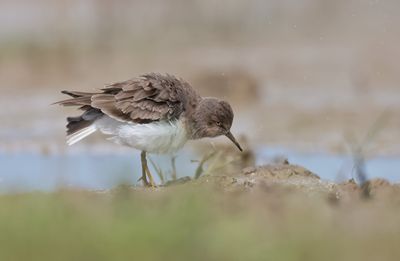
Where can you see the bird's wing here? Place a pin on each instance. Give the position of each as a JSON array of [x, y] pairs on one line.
[[151, 97]]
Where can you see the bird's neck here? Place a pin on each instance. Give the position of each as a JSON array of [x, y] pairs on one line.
[[196, 119]]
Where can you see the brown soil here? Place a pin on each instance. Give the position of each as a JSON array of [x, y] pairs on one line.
[[285, 179]]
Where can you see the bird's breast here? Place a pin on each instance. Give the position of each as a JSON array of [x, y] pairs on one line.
[[161, 137]]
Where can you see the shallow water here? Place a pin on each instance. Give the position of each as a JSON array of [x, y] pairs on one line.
[[21, 172], [33, 171], [336, 168]]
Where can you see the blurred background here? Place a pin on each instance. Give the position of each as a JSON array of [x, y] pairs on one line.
[[308, 79], [312, 82]]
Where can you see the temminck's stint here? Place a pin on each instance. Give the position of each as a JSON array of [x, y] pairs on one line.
[[153, 113]]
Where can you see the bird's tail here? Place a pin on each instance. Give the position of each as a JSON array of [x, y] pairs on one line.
[[81, 126], [80, 134]]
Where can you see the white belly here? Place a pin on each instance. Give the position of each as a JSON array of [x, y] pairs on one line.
[[162, 137]]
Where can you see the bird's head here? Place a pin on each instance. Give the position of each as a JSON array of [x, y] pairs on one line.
[[212, 118]]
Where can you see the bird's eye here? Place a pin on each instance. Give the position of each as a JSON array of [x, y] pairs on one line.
[[219, 124]]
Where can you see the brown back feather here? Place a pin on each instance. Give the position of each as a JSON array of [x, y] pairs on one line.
[[150, 97]]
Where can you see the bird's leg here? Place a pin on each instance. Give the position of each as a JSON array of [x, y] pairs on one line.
[[144, 163], [150, 182], [173, 174]]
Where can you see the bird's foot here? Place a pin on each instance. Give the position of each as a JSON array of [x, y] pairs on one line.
[[151, 182], [146, 183], [146, 173]]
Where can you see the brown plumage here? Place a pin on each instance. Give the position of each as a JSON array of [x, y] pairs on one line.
[[147, 98], [153, 112]]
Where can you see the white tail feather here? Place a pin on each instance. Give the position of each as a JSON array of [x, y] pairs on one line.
[[81, 134]]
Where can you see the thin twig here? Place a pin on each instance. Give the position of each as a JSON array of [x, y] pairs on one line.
[[200, 169], [357, 150]]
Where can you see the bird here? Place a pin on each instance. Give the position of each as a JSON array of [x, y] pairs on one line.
[[154, 113]]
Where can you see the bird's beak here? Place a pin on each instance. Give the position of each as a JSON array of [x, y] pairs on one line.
[[232, 138]]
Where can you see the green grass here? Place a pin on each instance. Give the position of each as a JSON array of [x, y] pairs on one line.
[[194, 223]]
